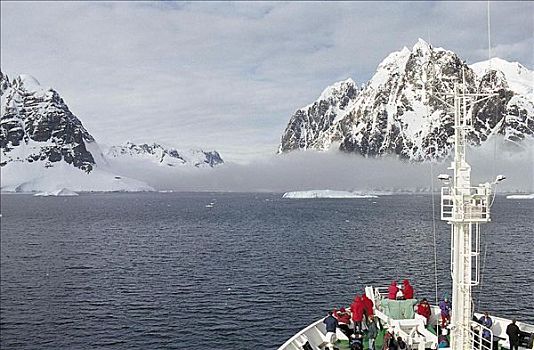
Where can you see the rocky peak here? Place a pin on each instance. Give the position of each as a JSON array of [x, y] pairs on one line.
[[394, 114], [37, 126], [4, 83], [421, 47], [308, 123], [27, 83], [345, 89], [492, 81]]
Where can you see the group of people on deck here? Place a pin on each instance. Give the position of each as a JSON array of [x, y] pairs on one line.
[[361, 316], [359, 313]]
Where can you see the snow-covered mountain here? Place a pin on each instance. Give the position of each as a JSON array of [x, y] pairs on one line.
[[164, 156], [393, 113], [45, 147], [519, 78], [37, 126]]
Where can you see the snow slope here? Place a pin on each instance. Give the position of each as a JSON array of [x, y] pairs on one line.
[[520, 79], [161, 155], [33, 177]]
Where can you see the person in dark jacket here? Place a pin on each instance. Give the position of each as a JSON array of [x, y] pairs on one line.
[[389, 343], [401, 344], [513, 335], [487, 322], [330, 322], [356, 341], [372, 332], [445, 307]]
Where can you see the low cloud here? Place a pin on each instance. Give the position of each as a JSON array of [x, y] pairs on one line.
[[338, 171]]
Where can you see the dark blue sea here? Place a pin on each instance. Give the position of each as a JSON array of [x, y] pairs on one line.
[[163, 271]]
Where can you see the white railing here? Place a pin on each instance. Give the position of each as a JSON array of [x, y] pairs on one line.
[[480, 343], [314, 335], [467, 204]]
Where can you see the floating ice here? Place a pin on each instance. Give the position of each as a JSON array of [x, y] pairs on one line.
[[64, 192], [326, 194], [520, 196]]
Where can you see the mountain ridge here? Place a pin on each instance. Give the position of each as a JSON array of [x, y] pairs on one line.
[[392, 112], [166, 155], [43, 145]]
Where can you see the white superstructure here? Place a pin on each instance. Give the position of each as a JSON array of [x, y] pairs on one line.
[[464, 207]]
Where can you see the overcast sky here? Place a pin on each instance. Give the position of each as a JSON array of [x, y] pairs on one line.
[[228, 76]]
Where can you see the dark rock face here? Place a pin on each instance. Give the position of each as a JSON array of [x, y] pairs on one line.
[[394, 113], [40, 122], [508, 113], [311, 124], [213, 158]]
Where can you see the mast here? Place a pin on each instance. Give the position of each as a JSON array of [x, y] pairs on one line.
[[464, 207]]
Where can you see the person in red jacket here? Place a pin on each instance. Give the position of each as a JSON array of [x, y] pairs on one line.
[[392, 291], [356, 308], [407, 289], [367, 307], [423, 309], [343, 318]]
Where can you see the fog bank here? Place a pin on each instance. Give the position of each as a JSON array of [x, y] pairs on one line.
[[338, 171]]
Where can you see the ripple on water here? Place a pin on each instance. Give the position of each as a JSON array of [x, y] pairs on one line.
[[137, 271]]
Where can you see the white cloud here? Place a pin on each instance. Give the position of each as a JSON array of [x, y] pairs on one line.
[[226, 75]]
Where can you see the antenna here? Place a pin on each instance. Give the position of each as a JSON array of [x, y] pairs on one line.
[[489, 37], [494, 133]]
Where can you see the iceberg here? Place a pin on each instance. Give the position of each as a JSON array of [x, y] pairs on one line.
[[327, 194], [520, 196], [64, 192]]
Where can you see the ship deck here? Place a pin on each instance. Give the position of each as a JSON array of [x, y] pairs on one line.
[[425, 330], [344, 344]]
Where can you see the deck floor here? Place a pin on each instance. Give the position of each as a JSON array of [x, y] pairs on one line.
[[344, 344]]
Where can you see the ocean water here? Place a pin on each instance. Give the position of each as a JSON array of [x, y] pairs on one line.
[[161, 270]]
